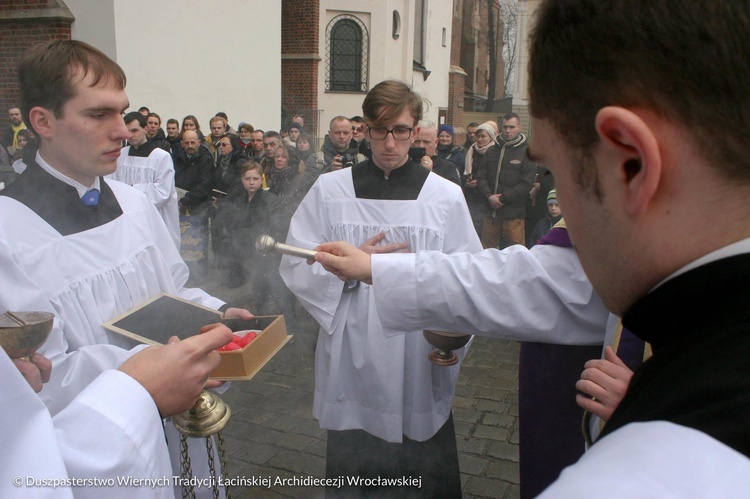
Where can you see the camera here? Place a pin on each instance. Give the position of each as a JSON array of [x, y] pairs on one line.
[[347, 160], [417, 153]]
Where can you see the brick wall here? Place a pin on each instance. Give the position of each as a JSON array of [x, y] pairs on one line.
[[300, 57], [456, 81], [22, 24]]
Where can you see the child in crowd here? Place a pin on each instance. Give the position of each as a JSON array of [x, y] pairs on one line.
[[553, 216]]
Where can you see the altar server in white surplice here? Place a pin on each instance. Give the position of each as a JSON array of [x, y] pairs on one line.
[[72, 242], [387, 408], [149, 169]]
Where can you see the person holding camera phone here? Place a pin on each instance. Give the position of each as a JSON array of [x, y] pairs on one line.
[[425, 153], [339, 151]]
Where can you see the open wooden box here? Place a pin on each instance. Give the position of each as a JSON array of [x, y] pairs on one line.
[[165, 315], [244, 363]]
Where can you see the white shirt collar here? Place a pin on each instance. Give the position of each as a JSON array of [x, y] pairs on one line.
[[82, 189], [733, 249]]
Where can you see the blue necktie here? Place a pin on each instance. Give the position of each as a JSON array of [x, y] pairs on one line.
[[91, 198]]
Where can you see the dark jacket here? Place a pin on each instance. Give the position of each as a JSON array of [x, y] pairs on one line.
[[160, 140], [446, 169], [227, 177], [454, 154], [244, 222], [321, 161], [195, 175], [515, 180]]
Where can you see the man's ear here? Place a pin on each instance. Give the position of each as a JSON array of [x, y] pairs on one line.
[[629, 140], [41, 120]]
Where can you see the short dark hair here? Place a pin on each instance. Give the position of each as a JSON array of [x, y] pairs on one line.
[[388, 99], [510, 116], [153, 115], [685, 61], [135, 116], [357, 119], [271, 133], [47, 71], [172, 121], [222, 114]]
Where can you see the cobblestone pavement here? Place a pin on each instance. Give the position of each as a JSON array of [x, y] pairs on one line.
[[272, 434]]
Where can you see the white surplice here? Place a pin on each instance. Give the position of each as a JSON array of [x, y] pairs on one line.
[[540, 295], [363, 379], [111, 429], [154, 176], [86, 279]]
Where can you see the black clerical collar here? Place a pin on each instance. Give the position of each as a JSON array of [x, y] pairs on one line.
[[143, 150], [691, 301], [403, 183]]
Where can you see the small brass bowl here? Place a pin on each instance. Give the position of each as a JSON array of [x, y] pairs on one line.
[[22, 333], [445, 343]]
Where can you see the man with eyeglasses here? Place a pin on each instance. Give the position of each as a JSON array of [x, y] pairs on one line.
[[387, 408]]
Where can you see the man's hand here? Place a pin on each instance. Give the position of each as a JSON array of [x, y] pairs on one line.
[[345, 261], [606, 380], [471, 182], [495, 201], [238, 313], [534, 190], [370, 246], [36, 370], [427, 162], [337, 163], [174, 374]]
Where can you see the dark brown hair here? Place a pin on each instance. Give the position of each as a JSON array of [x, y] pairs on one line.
[[686, 61], [47, 71], [388, 99]]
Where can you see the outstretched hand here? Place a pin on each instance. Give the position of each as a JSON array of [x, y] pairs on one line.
[[606, 380], [345, 261], [175, 374]]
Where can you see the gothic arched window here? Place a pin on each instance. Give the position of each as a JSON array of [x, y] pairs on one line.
[[347, 54]]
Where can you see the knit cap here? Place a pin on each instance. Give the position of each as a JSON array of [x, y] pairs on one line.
[[552, 197], [446, 128]]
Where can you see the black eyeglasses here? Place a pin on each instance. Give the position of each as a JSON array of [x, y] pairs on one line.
[[380, 133]]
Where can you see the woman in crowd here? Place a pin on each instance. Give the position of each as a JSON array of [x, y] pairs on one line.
[[245, 134], [190, 122], [285, 178], [446, 149], [485, 138], [305, 146]]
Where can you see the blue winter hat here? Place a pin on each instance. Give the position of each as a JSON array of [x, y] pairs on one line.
[[446, 128]]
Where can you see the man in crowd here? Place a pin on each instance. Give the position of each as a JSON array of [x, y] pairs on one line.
[[387, 408], [427, 138], [505, 179], [91, 248], [218, 128], [193, 175], [150, 170], [640, 163], [338, 151], [10, 137], [271, 140], [358, 135], [173, 136], [257, 150], [471, 134], [154, 133]]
